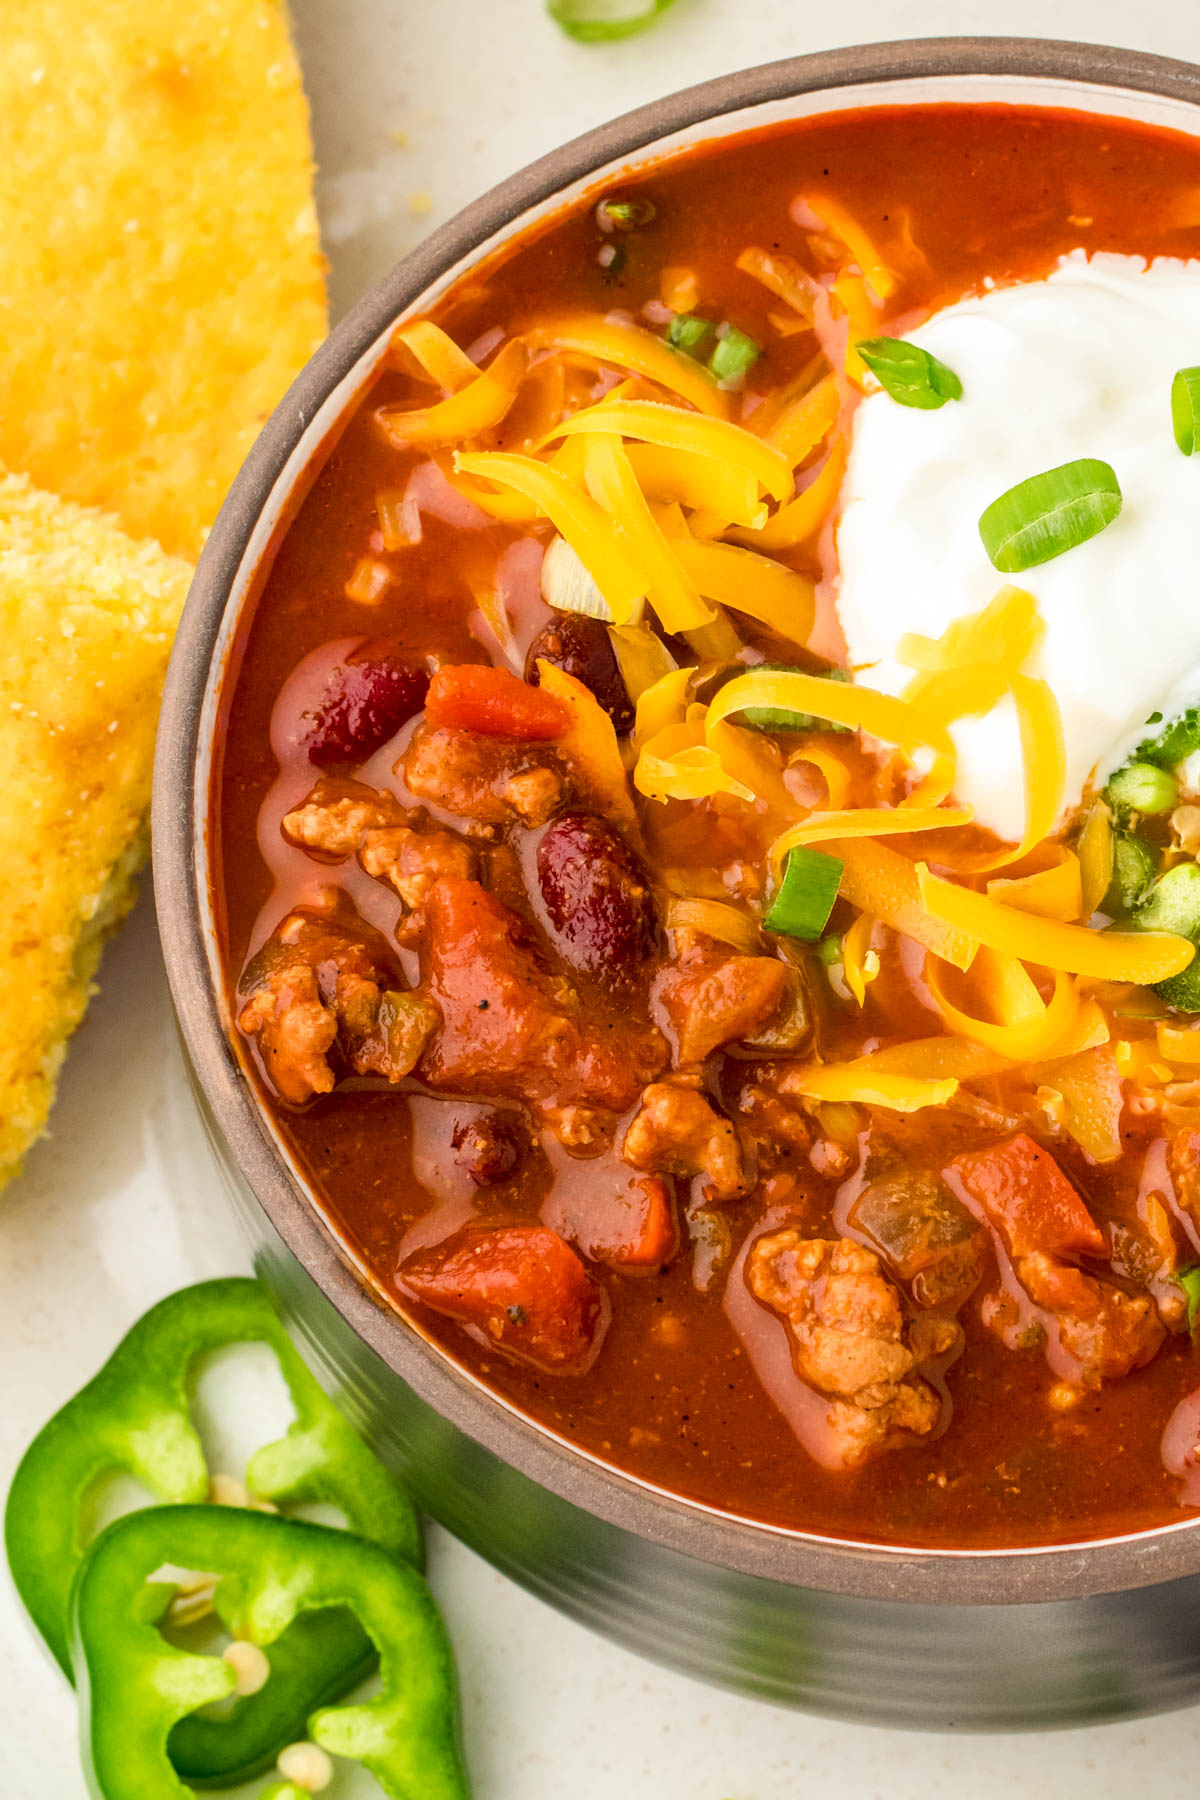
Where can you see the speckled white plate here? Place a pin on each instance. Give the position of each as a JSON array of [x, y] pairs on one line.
[[419, 105]]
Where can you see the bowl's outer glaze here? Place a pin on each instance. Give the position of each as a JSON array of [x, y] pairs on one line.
[[977, 1640]]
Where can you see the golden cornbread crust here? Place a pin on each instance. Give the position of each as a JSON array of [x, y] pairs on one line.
[[87, 615], [161, 280]]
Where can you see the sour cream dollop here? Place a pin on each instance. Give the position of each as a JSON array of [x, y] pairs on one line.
[[1077, 365]]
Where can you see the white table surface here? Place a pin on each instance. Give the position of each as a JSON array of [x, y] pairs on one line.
[[419, 105]]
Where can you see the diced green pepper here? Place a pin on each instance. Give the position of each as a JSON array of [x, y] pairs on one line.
[[689, 333], [135, 1688], [133, 1417], [1173, 904], [1143, 787], [734, 354], [1135, 864]]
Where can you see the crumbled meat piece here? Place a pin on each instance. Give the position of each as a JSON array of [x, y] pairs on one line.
[[336, 817], [1183, 1157], [411, 861], [511, 1026], [849, 1339], [779, 1133], [1109, 1332], [483, 780], [927, 1236], [1145, 1251], [318, 988], [342, 818], [520, 1288], [710, 998], [487, 1147], [676, 1132]]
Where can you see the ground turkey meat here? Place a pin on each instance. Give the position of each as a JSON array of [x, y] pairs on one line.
[[850, 1340], [676, 1131], [710, 998], [324, 997], [485, 781]]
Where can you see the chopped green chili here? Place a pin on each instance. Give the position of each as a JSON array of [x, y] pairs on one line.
[[909, 374], [1049, 513], [689, 333], [1189, 1281], [806, 894], [1142, 787], [1135, 864], [735, 353], [1173, 904], [1185, 410]]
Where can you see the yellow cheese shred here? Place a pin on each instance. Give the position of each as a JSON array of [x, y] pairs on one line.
[[967, 670], [676, 764], [579, 520], [833, 771], [1095, 848], [663, 703], [863, 709], [859, 1083], [1054, 893], [436, 353], [1142, 957], [782, 276], [878, 880], [860, 964], [613, 486], [795, 522], [674, 428], [698, 482], [1024, 1028], [807, 422], [842, 224], [750, 583], [467, 412], [629, 347], [590, 746], [1044, 766], [1178, 1043]]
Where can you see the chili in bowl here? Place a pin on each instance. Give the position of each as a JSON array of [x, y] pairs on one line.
[[699, 870]]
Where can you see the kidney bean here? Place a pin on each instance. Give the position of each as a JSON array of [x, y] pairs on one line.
[[520, 1286], [582, 647], [487, 1147], [597, 897], [364, 704]]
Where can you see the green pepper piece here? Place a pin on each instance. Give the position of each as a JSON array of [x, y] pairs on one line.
[[1135, 864], [1173, 904], [133, 1416], [134, 1687]]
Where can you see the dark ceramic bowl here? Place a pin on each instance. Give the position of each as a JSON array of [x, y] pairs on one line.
[[934, 1639]]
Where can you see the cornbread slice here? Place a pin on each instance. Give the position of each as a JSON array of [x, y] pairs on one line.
[[87, 615], [161, 280]]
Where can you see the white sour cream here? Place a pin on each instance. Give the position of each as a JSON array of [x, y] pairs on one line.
[[1077, 365]]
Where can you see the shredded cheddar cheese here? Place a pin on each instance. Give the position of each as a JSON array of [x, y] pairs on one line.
[[468, 411], [674, 428], [629, 347]]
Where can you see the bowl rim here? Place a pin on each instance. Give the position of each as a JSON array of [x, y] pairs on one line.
[[725, 1542]]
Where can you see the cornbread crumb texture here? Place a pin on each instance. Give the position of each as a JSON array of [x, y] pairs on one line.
[[86, 621], [162, 280]]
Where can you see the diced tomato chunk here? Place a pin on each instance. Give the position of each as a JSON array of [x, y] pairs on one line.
[[630, 1226], [1028, 1199], [520, 1285], [476, 697]]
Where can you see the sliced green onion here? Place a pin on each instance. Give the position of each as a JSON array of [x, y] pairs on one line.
[[830, 949], [1142, 787], [603, 21], [688, 332], [1189, 1281], [909, 374], [624, 215], [806, 894], [1040, 518], [1185, 410], [779, 718], [734, 354], [1179, 739], [1135, 864]]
